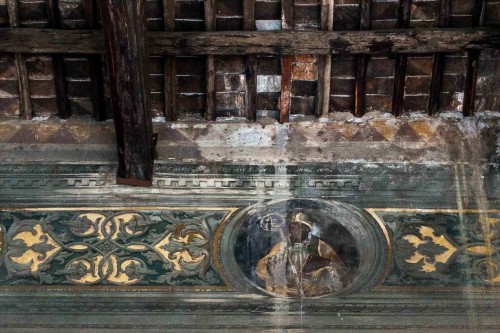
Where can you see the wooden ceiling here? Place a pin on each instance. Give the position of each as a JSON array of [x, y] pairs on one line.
[[204, 60]]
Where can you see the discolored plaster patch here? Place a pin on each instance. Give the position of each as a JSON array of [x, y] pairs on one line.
[[377, 137]]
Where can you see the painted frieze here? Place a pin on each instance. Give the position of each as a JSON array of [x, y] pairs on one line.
[[292, 248], [120, 248], [444, 247]]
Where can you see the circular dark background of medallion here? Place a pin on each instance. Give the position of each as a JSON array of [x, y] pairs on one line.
[[351, 232]]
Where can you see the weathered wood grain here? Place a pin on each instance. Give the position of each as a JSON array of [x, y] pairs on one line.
[[286, 14], [401, 63], [472, 62], [169, 63], [286, 88], [438, 63], [251, 87], [251, 64], [169, 15], [210, 63], [170, 88], [286, 64], [409, 41], [361, 63], [91, 13], [126, 46], [54, 22], [26, 108], [249, 14], [325, 62], [360, 85]]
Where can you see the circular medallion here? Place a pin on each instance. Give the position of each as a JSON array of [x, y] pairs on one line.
[[304, 248]]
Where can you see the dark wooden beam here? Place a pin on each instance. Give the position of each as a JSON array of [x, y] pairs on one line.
[[286, 64], [286, 14], [251, 64], [54, 22], [169, 63], [473, 62], [325, 62], [25, 107], [251, 87], [360, 86], [362, 63], [438, 62], [124, 24], [470, 82], [401, 62], [210, 63], [410, 41], [91, 12], [286, 88]]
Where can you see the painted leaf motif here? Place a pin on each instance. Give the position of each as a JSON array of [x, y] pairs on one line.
[[43, 248], [431, 249], [121, 248], [137, 271], [480, 250]]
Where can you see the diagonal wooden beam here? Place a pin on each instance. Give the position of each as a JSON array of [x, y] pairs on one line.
[[124, 25]]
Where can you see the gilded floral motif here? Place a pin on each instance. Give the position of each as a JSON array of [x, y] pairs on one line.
[[429, 249], [124, 248], [447, 249]]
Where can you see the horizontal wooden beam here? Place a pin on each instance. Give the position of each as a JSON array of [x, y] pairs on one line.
[[410, 41]]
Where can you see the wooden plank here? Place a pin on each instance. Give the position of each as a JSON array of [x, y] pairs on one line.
[[286, 88], [472, 63], [169, 15], [438, 62], [470, 83], [54, 22], [251, 64], [361, 63], [170, 88], [286, 14], [169, 64], [26, 109], [128, 72], [210, 63], [251, 87], [286, 64], [411, 41], [91, 13], [399, 84], [360, 85], [325, 62], [398, 92], [210, 88], [249, 14]]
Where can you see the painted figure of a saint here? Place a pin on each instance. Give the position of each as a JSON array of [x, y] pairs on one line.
[[302, 265]]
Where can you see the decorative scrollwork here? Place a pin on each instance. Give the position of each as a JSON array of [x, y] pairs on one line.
[[125, 248], [447, 248]]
